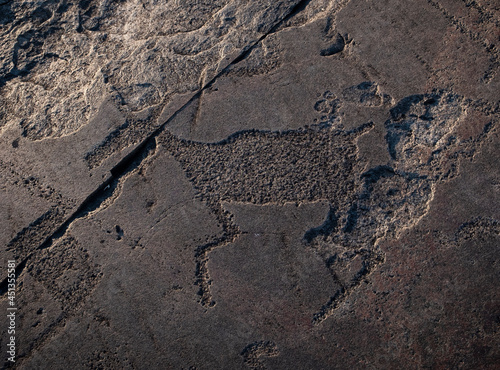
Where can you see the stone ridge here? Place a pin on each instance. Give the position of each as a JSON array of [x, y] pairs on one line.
[[61, 60], [292, 184]]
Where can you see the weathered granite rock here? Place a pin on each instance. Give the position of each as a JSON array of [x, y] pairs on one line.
[[251, 184], [76, 99]]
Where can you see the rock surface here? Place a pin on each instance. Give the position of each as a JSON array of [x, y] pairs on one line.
[[250, 184]]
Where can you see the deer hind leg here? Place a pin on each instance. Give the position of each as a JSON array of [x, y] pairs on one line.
[[202, 252], [191, 156]]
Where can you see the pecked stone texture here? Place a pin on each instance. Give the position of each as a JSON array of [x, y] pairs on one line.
[[251, 184]]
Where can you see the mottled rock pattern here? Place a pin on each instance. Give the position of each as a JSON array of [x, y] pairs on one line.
[[251, 184]]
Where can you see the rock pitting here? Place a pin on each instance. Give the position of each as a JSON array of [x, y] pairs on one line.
[[249, 184]]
